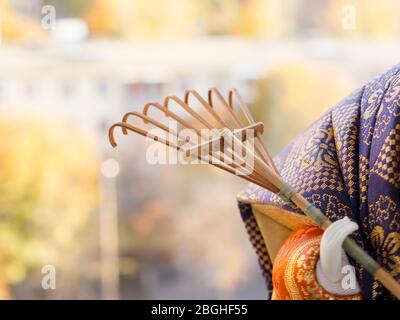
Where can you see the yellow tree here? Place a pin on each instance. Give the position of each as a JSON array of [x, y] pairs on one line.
[[266, 18], [15, 26], [102, 18], [142, 19], [48, 183]]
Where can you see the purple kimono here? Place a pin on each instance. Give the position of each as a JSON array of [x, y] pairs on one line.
[[347, 164]]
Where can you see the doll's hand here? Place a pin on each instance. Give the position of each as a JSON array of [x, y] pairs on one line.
[[333, 259]]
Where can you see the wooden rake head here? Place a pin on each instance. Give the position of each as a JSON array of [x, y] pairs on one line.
[[232, 121]]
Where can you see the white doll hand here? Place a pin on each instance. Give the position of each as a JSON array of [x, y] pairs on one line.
[[333, 258]]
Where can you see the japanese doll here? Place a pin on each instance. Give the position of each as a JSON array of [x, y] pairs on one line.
[[348, 165]]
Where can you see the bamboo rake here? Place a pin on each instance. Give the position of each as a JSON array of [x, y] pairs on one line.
[[231, 140]]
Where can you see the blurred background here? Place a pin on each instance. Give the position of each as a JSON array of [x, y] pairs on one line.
[[110, 224]]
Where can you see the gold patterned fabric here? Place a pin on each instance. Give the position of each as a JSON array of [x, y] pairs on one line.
[[347, 164]]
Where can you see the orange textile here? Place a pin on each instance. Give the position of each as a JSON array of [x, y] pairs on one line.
[[293, 273]]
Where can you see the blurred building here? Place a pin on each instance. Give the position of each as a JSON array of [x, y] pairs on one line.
[[95, 82]]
